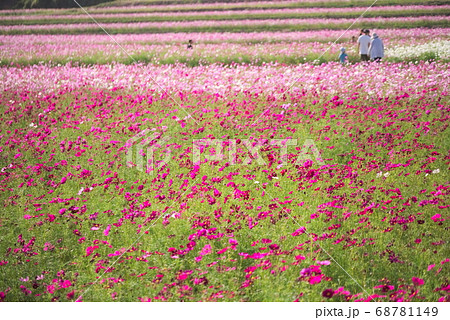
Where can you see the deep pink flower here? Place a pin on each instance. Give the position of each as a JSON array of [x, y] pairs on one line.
[[51, 288], [315, 279], [70, 295], [90, 250], [385, 287], [299, 231], [417, 281], [305, 272], [25, 290], [436, 217], [65, 284], [182, 276], [328, 293]]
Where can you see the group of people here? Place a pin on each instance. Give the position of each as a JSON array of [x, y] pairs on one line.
[[369, 47]]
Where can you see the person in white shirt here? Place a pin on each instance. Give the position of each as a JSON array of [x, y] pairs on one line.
[[363, 45], [376, 49]]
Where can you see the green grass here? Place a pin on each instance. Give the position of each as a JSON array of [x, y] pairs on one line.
[[201, 59]]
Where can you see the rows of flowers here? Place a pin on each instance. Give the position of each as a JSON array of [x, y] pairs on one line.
[[325, 35], [406, 10], [306, 23], [386, 80], [83, 223], [295, 47], [172, 7]]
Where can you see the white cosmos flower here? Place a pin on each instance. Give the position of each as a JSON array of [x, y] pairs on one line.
[[386, 174], [439, 48], [436, 171], [379, 174]]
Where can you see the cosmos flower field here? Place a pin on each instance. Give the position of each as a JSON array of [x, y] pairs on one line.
[[356, 209]]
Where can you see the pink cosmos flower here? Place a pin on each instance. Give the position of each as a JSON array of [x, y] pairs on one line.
[[206, 250], [299, 231], [305, 272], [417, 281], [51, 289], [90, 250], [217, 193], [106, 231], [65, 284], [48, 246], [315, 279], [222, 251], [145, 299], [385, 288], [70, 295], [436, 217], [182, 276], [25, 290]]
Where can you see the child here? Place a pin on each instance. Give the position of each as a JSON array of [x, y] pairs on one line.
[[343, 56]]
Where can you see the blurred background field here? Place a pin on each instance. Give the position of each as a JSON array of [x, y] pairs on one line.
[[226, 32]]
